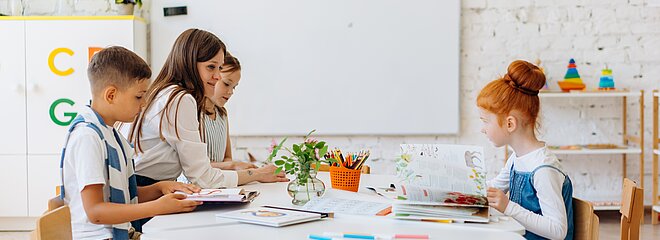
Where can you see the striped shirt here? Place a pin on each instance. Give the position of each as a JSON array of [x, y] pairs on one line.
[[215, 131]]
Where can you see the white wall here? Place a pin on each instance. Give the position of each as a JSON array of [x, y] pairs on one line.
[[495, 32]]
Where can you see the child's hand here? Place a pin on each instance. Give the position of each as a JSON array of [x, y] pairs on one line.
[[267, 174], [174, 203], [167, 187], [497, 199]]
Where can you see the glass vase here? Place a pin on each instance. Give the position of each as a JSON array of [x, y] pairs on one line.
[[305, 187]]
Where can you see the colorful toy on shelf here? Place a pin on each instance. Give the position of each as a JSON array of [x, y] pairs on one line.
[[606, 80], [572, 80]]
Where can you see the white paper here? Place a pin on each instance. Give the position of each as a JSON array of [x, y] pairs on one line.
[[345, 206]]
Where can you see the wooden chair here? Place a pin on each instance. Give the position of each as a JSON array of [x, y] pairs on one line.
[[632, 210], [55, 223], [324, 168], [585, 221]]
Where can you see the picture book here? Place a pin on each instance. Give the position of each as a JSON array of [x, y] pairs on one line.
[[441, 182]]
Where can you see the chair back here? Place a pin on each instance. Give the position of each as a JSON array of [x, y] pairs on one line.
[[632, 210], [54, 224], [586, 222]]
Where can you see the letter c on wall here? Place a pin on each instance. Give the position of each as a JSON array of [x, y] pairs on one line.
[[51, 61]]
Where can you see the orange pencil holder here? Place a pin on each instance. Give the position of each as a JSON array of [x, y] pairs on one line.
[[345, 179]]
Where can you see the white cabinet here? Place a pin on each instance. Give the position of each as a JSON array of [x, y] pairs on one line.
[[43, 177], [12, 92], [13, 170], [57, 76], [46, 72], [14, 182]]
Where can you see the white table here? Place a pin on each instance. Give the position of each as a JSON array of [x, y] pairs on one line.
[[202, 223]]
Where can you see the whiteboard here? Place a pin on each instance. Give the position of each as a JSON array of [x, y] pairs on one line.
[[342, 67]]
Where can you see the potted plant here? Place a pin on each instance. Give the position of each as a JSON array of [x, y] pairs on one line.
[[126, 7], [303, 162]]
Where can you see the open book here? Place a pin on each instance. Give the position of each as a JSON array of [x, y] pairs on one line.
[[222, 196], [441, 183]]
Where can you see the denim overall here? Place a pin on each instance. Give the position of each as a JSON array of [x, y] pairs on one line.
[[522, 192]]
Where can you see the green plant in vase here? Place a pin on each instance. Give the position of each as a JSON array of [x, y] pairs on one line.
[[303, 162], [126, 7]]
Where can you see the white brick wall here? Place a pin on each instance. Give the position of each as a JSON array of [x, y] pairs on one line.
[[622, 34], [67, 7]]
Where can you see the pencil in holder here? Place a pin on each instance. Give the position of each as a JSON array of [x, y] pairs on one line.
[[345, 178]]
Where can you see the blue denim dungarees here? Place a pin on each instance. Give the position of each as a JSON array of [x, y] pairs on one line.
[[521, 191]]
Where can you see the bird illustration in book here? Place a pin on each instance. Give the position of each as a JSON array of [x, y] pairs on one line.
[[471, 157]]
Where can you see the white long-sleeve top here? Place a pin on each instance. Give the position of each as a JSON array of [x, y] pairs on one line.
[[165, 160], [548, 184]]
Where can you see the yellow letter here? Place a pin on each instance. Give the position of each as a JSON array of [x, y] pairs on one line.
[[51, 61]]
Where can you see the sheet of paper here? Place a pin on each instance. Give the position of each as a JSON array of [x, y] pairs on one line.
[[345, 206]]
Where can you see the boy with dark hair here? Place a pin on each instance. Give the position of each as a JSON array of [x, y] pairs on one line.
[[97, 162]]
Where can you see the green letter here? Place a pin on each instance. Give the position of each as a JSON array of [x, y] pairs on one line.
[[71, 115]]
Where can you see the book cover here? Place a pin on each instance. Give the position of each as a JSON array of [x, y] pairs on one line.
[[270, 216]]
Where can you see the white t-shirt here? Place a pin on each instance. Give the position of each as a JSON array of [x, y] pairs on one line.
[[84, 164], [548, 184]]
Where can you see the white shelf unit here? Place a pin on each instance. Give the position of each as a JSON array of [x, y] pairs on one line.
[[598, 151], [589, 94], [627, 139], [656, 151]]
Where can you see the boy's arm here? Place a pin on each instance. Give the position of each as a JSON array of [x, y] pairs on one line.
[[148, 193], [101, 212]]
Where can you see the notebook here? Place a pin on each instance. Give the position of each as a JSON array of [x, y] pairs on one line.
[[271, 216], [222, 196]]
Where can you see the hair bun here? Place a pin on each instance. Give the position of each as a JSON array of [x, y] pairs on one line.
[[526, 76]]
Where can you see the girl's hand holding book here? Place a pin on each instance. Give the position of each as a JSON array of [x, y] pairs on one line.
[[497, 199]]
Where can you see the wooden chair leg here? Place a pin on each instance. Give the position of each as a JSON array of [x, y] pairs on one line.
[[625, 227], [634, 230]]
